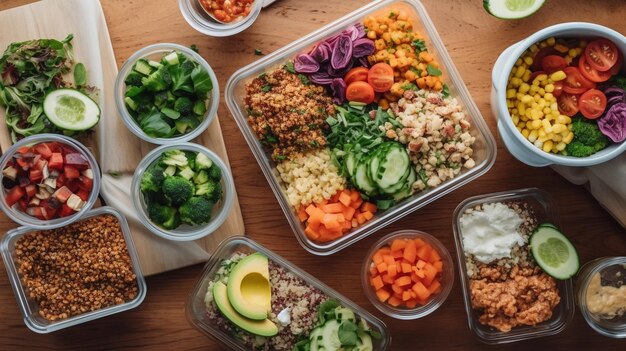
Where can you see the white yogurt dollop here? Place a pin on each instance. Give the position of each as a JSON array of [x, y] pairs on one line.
[[491, 233]]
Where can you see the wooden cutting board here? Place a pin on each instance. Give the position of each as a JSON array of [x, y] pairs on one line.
[[117, 150]]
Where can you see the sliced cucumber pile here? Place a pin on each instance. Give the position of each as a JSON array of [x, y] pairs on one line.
[[553, 252], [69, 109], [512, 9], [384, 173]]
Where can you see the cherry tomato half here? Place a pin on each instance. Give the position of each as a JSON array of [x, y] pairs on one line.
[[591, 73], [592, 103], [618, 65], [357, 74], [538, 58], [380, 77], [558, 89], [553, 63], [575, 82], [361, 92], [601, 54], [568, 104]]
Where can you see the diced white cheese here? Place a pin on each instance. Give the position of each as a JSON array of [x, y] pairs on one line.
[[42, 194], [284, 318], [10, 172], [50, 183], [88, 173], [74, 202]]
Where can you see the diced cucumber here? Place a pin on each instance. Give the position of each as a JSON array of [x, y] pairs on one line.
[[171, 58], [155, 64], [131, 103], [554, 253], [512, 9], [143, 67]]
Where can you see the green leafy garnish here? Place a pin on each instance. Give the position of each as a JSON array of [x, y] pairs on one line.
[[432, 70], [194, 47], [326, 310], [410, 86], [445, 91], [289, 67], [258, 52], [304, 79], [266, 88], [348, 334], [419, 45], [80, 75]]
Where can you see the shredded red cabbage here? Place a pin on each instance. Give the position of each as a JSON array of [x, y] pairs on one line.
[[613, 122]]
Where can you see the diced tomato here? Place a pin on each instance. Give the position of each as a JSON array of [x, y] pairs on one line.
[[83, 194], [44, 150], [51, 206], [553, 63], [23, 204], [76, 160], [35, 175], [71, 172], [73, 185], [23, 149], [61, 180], [62, 194], [49, 214], [65, 211], [86, 183], [558, 88], [38, 212], [41, 164], [538, 59], [24, 164], [56, 161], [14, 195], [31, 190]]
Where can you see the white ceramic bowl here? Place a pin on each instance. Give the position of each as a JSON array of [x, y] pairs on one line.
[[517, 145]]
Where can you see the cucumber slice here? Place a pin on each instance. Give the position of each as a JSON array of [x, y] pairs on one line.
[[392, 168], [171, 58], [351, 161], [554, 253], [361, 179], [315, 337], [143, 67], [330, 335], [365, 342], [512, 9], [69, 109]]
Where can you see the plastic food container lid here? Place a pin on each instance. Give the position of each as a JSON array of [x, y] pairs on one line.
[[544, 211], [484, 148], [29, 308], [196, 308]]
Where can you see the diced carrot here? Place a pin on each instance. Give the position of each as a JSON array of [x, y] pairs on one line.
[[394, 301], [403, 280], [377, 282], [386, 279], [412, 303], [424, 252], [322, 203], [355, 196], [310, 209], [384, 250], [422, 302], [368, 215], [438, 266], [392, 270], [420, 264], [317, 216], [311, 233], [335, 197], [354, 223], [397, 254], [410, 251], [421, 291], [398, 244], [406, 295], [333, 208], [434, 256], [406, 267], [397, 289], [389, 259], [434, 287], [356, 203], [328, 235], [418, 272], [368, 207], [430, 273], [348, 213], [373, 271], [382, 267], [415, 278], [382, 295], [419, 242], [332, 225], [360, 218], [377, 258], [347, 225], [345, 199], [302, 215]]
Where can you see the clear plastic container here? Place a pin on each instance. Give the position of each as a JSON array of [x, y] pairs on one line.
[[544, 211], [24, 219], [613, 269], [197, 18], [196, 308], [28, 306], [184, 232], [447, 277], [155, 52], [484, 148]]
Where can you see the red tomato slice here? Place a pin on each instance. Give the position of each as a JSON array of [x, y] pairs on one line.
[[618, 65], [360, 92], [538, 59], [357, 74], [380, 77], [558, 89], [568, 104], [575, 83], [592, 103], [591, 73], [601, 54], [14, 195], [553, 63]]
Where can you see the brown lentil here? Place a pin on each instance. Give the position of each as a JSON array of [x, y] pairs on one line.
[[82, 267], [287, 113]]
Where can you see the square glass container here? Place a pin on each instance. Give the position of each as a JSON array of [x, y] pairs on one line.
[[544, 211], [196, 308], [29, 307], [484, 147]]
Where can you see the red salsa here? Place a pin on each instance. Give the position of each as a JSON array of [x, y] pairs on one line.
[[227, 10]]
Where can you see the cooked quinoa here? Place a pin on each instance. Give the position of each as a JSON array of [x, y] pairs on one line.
[[287, 112], [436, 133], [288, 292], [310, 178], [512, 291]]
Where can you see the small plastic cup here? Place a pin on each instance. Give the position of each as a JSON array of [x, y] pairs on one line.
[[435, 301], [197, 18], [27, 220], [155, 52], [184, 232]]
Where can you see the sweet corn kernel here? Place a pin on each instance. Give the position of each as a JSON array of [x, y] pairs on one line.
[[520, 72], [532, 136], [547, 112], [549, 88], [542, 133], [517, 63], [556, 137], [561, 146], [568, 138], [538, 143], [558, 76], [510, 94], [528, 60], [543, 138], [572, 52], [534, 48], [541, 92], [561, 119], [558, 128], [551, 41], [527, 99], [515, 118], [561, 48], [549, 97], [523, 88], [536, 115], [525, 132], [535, 124], [568, 59], [527, 75]]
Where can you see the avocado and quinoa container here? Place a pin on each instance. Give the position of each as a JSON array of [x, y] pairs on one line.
[[484, 147], [248, 297]]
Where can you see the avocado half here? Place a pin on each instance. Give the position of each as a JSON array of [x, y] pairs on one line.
[[248, 288], [259, 327]]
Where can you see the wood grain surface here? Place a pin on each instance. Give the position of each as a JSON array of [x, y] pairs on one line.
[[474, 41]]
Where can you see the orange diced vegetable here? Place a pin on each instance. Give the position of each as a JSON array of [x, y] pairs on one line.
[[387, 279], [418, 272], [357, 203], [311, 233], [333, 208], [377, 258], [434, 287], [355, 196], [345, 199], [412, 303], [382, 295], [348, 213], [377, 283], [368, 207], [397, 289], [373, 271], [406, 267], [438, 266], [302, 215], [434, 256], [421, 291], [420, 264], [391, 270], [310, 209], [368, 215], [394, 301], [430, 273], [398, 244], [360, 218], [406, 295], [419, 242], [403, 280], [396, 254], [389, 259], [382, 267], [410, 251], [424, 252]]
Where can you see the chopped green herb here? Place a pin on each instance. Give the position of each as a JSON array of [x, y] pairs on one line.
[[258, 52], [314, 143], [417, 71], [392, 14], [263, 75], [266, 88], [289, 67], [432, 70], [410, 86], [419, 45], [304, 79], [445, 91], [280, 157], [194, 47], [422, 175], [313, 126]]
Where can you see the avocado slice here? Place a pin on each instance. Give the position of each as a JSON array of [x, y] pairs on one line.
[[248, 287], [262, 328]]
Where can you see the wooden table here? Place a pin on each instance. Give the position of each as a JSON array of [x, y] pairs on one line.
[[474, 41]]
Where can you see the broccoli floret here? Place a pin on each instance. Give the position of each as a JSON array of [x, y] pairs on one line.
[[203, 161], [199, 108], [196, 210], [211, 190], [201, 177], [191, 159], [186, 173], [173, 223], [175, 158], [177, 190], [215, 173], [160, 213], [133, 78], [157, 80], [183, 105], [588, 139], [152, 179]]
